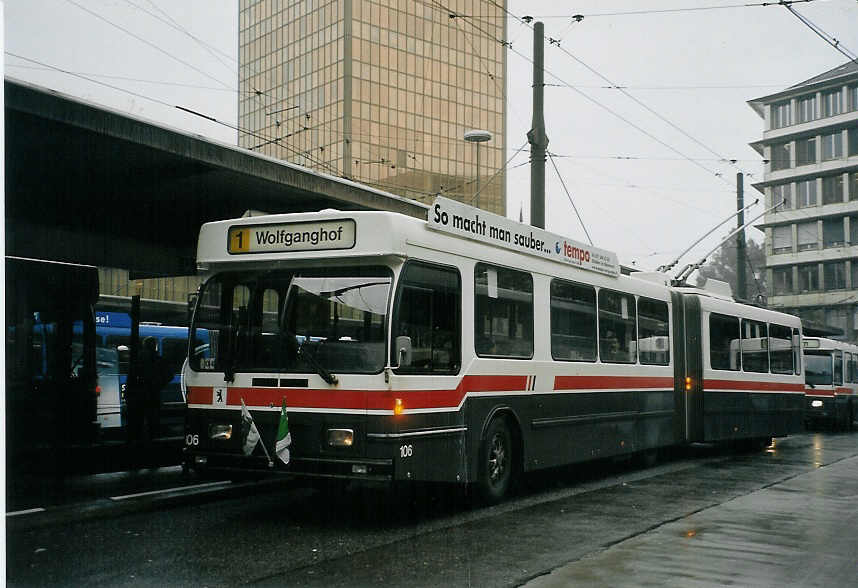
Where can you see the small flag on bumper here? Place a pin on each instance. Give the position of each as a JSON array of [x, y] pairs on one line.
[[250, 434], [284, 437]]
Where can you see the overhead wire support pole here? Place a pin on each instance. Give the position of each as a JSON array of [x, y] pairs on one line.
[[741, 282], [669, 266], [683, 275], [536, 136]]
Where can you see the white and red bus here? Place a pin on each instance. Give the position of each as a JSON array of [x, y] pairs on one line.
[[466, 348], [831, 377]]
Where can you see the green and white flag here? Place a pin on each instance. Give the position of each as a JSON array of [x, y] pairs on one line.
[[250, 434], [284, 437]]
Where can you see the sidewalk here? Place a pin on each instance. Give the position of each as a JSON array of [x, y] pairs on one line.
[[800, 532]]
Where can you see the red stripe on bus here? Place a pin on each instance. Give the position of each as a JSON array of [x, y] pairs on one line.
[[818, 392], [752, 385], [361, 399], [611, 382]]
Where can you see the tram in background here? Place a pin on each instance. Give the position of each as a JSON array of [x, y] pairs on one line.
[[51, 360], [831, 376], [466, 348]]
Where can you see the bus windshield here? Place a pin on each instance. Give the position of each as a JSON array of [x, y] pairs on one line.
[[817, 368], [317, 320]]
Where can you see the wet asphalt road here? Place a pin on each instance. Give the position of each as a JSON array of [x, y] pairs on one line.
[[782, 517]]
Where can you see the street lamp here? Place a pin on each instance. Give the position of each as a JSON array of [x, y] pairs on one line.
[[478, 136]]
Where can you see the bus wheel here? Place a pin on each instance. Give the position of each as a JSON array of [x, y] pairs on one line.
[[496, 462]]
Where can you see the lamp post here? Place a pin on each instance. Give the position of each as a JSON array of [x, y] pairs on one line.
[[478, 136]]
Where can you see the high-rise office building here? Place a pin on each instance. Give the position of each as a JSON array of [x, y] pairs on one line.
[[810, 143], [379, 91]]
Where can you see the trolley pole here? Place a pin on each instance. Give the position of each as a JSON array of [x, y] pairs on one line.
[[742, 293], [537, 137]]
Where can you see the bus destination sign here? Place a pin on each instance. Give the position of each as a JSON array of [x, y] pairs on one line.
[[473, 223], [286, 237]]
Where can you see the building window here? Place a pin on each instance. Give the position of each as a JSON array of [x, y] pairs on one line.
[[808, 277], [831, 103], [832, 146], [780, 156], [782, 239], [832, 232], [853, 186], [854, 273], [832, 189], [780, 115], [807, 237], [782, 278], [852, 148], [807, 109], [805, 151], [835, 275], [782, 192], [806, 193], [852, 97]]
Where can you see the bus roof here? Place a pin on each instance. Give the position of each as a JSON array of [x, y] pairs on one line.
[[369, 233]]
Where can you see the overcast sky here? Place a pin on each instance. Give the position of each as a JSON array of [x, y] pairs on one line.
[[643, 167]]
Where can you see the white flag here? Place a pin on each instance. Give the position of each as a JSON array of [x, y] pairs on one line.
[[249, 430]]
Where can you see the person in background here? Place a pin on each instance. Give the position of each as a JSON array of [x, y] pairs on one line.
[[154, 374]]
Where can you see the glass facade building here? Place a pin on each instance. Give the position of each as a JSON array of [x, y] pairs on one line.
[[378, 91]]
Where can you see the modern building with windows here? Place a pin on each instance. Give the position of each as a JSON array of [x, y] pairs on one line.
[[810, 144], [379, 91]]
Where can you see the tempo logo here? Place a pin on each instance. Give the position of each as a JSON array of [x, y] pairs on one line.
[[557, 247], [575, 252]]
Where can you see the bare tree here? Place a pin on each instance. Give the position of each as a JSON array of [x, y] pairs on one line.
[[722, 266]]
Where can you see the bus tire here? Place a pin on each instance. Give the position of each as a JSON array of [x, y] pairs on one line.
[[496, 462]]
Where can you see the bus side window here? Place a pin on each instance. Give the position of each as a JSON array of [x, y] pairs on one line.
[[755, 342], [724, 342], [654, 332], [503, 312], [573, 321], [838, 368], [780, 349], [428, 312], [617, 327], [796, 350]]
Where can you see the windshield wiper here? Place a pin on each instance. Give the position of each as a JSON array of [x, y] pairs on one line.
[[314, 363]]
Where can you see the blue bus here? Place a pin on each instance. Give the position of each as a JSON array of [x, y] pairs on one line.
[[113, 334]]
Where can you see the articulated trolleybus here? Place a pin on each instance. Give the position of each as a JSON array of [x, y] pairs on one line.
[[466, 348]]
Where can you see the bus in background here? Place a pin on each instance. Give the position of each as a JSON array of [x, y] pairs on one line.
[[113, 333], [464, 348], [51, 360], [831, 382]]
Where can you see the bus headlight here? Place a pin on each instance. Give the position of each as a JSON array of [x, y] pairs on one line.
[[816, 404], [340, 437], [223, 432]]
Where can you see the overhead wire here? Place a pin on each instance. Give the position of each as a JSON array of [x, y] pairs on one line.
[[678, 10], [148, 43], [170, 22], [569, 196], [822, 34]]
